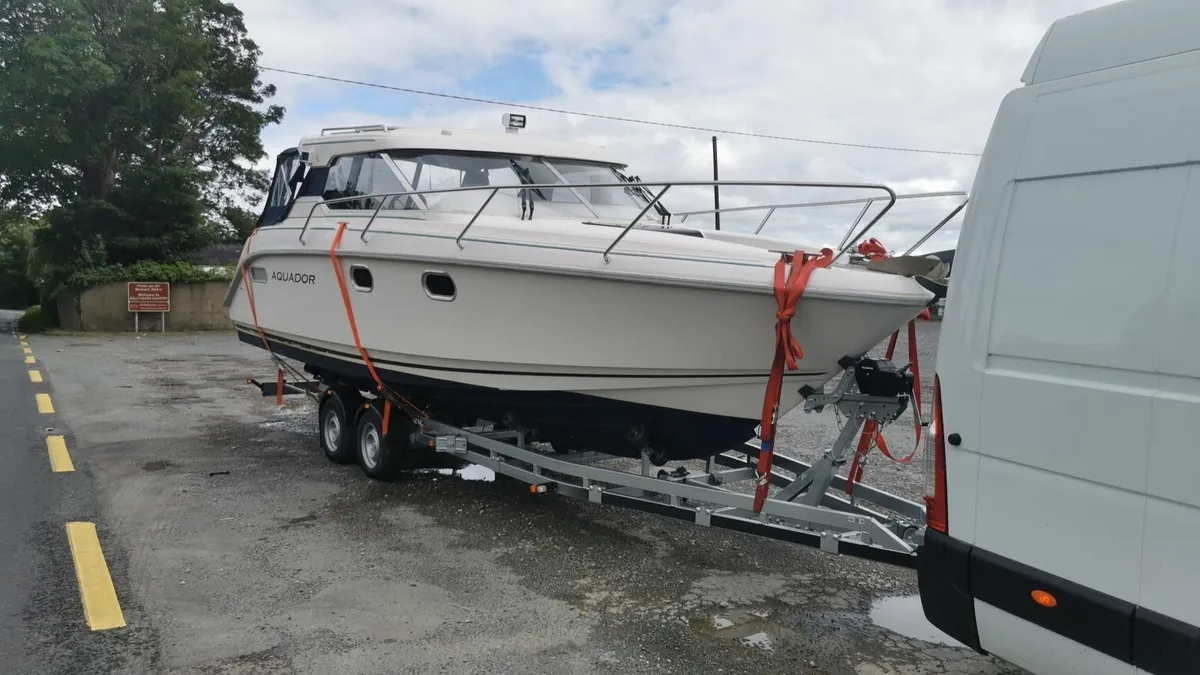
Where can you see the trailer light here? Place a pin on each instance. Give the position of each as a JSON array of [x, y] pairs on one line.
[[537, 489], [1044, 599]]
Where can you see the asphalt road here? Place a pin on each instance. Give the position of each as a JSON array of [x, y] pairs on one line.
[[42, 623], [235, 547]]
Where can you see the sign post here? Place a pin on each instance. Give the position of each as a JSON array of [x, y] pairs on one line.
[[149, 296]]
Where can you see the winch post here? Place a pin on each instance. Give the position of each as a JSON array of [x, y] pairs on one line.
[[820, 475], [858, 407]]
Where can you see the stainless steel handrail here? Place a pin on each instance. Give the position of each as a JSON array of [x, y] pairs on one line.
[[771, 208], [890, 197], [937, 227], [858, 219], [635, 221], [458, 239]]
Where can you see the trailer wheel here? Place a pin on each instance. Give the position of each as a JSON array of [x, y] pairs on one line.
[[658, 457], [380, 456], [336, 428]]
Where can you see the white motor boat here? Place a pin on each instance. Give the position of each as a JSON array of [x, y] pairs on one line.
[[514, 279]]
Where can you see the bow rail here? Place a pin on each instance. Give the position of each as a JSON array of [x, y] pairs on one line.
[[887, 195]]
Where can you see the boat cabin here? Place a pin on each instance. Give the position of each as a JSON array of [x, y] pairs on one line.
[[438, 172]]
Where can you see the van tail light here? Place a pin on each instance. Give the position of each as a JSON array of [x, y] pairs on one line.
[[935, 465]]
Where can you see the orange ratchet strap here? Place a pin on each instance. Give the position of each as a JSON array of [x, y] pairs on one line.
[[337, 273], [871, 433], [787, 353], [254, 316]]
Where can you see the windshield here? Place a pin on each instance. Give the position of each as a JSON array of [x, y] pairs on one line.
[[576, 197]]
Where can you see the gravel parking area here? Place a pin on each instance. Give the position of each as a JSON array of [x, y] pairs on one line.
[[237, 548]]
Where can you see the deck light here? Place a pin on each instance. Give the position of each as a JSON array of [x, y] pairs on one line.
[[512, 122]]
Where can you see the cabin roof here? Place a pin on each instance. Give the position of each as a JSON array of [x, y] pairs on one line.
[[329, 144]]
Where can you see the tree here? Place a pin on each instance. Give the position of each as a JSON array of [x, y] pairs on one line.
[[92, 89], [16, 290], [152, 214], [233, 226]]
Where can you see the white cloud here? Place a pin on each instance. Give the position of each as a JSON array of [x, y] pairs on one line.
[[917, 73]]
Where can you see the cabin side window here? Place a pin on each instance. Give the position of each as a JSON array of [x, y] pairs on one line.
[[365, 177], [288, 174]]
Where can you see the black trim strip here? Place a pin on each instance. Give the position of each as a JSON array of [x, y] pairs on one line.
[[1164, 645], [1087, 616], [952, 574], [252, 338]]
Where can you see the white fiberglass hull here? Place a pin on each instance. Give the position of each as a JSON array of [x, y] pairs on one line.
[[548, 321]]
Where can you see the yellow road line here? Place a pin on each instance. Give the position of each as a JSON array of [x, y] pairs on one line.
[[35, 376], [100, 605], [29, 360], [45, 406], [27, 350], [21, 336], [60, 459], [24, 343]]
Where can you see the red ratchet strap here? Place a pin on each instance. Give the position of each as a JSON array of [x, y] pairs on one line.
[[254, 316], [873, 249], [787, 353], [871, 433], [337, 273]]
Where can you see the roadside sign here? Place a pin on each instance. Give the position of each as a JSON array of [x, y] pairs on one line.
[[148, 296]]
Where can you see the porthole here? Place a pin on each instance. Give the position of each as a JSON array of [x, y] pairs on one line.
[[439, 285], [361, 277]]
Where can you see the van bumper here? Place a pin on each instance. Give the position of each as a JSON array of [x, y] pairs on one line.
[[952, 575], [943, 577]]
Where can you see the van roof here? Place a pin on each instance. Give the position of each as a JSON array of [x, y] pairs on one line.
[[1115, 35]]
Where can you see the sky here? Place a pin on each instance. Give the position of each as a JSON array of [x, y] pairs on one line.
[[925, 74]]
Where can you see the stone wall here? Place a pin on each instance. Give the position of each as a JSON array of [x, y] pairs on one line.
[[104, 308]]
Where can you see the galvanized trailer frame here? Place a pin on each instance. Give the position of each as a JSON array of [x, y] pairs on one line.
[[809, 505]]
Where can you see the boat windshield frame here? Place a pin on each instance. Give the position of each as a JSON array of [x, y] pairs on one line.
[[522, 170]]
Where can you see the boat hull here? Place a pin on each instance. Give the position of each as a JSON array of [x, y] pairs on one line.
[[568, 420], [581, 359]]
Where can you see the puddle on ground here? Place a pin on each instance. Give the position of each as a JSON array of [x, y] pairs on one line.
[[471, 472], [291, 418], [905, 616], [752, 630]]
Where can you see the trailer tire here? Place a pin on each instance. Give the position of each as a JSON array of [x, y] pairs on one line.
[[335, 426], [381, 456]]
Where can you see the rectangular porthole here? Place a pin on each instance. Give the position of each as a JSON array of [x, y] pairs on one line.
[[258, 274], [361, 277], [439, 286]]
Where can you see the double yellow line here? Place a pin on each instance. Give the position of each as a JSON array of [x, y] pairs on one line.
[[56, 446], [101, 608]]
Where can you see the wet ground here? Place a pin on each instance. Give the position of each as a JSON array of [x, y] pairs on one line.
[[235, 547]]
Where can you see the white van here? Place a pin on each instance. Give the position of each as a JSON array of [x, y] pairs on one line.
[[1064, 493]]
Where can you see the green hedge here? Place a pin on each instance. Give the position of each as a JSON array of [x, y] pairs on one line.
[[34, 320], [175, 273]]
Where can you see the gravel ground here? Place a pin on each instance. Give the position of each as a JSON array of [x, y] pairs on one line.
[[238, 548]]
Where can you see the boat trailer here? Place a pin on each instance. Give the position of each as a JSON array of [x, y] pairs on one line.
[[811, 504]]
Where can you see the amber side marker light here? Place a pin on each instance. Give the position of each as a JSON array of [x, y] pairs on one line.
[[1044, 599]]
